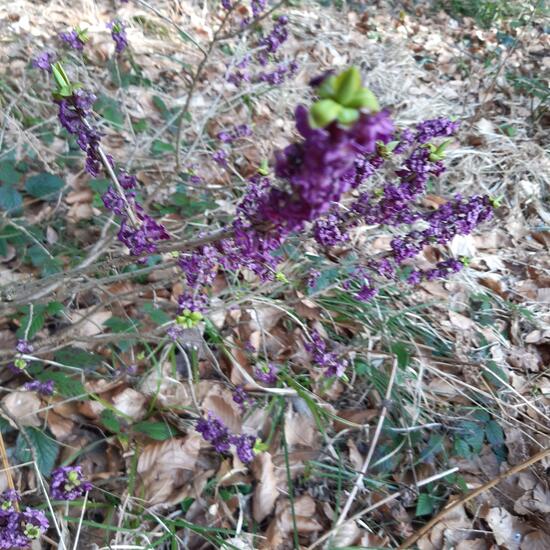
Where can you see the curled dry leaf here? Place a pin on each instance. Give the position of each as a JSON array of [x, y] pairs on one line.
[[166, 469], [454, 527], [131, 403], [23, 406], [300, 430], [507, 529], [282, 524], [265, 493]]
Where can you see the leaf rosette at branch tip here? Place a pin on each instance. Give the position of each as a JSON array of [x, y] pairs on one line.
[[342, 98]]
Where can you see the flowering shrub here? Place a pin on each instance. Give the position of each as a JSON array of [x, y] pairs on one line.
[[347, 166]]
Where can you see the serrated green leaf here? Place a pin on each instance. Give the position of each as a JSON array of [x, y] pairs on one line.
[[110, 421], [10, 198], [119, 325], [461, 448], [159, 147], [8, 172], [494, 433], [45, 448], [44, 185], [424, 505], [155, 430], [77, 357]]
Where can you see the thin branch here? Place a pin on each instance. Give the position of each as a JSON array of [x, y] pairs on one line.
[[359, 481]]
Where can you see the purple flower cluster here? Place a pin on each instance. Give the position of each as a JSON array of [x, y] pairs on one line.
[[456, 217], [322, 166], [68, 483], [24, 346], [268, 46], [335, 367], [438, 127], [242, 398], [240, 131], [266, 373], [43, 388], [271, 42], [44, 61], [217, 434], [118, 33], [74, 39], [74, 112], [141, 237], [315, 172], [19, 529], [277, 76]]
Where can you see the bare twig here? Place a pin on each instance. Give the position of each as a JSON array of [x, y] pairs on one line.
[[359, 481]]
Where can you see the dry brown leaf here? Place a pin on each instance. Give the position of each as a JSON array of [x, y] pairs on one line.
[[507, 529], [300, 430], [166, 469], [131, 403], [265, 493], [23, 405], [454, 527]]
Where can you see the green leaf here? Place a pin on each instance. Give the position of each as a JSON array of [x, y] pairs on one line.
[[44, 185], [110, 421], [37, 322], [494, 433], [10, 198], [424, 505], [159, 147], [5, 426], [118, 324], [8, 172], [346, 85], [155, 430], [157, 315], [461, 448], [64, 384], [402, 352], [77, 357], [323, 112], [109, 109], [45, 448]]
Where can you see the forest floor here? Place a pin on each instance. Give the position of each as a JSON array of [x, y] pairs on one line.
[[470, 400]]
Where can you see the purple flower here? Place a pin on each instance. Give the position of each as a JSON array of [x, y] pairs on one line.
[[118, 33], [193, 302], [240, 131], [175, 332], [258, 7], [327, 231], [143, 239], [215, 432], [244, 446], [44, 388], [241, 397], [8, 500], [44, 61], [68, 483], [126, 180], [33, 523], [437, 127], [328, 360], [226, 4], [220, 157], [313, 277], [23, 346], [75, 39], [266, 373]]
